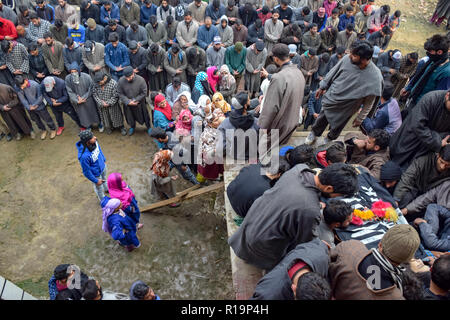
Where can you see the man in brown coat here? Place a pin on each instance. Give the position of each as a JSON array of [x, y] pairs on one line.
[[52, 51], [359, 274], [309, 65], [370, 151], [282, 104]]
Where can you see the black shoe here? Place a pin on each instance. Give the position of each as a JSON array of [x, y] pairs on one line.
[[9, 137], [2, 135]]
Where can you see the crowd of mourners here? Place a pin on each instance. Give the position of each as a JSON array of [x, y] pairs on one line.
[[200, 77]]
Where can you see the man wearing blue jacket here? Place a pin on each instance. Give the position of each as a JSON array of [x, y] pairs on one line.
[[116, 56], [206, 34], [92, 162], [109, 11]]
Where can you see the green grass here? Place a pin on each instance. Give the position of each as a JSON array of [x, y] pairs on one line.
[[38, 289]]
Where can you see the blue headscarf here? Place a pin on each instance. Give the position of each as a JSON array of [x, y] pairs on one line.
[[201, 76]]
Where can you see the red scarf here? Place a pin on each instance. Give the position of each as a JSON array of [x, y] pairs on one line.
[[167, 110]]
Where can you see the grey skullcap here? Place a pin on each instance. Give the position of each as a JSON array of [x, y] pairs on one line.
[[128, 71], [98, 76], [133, 45]]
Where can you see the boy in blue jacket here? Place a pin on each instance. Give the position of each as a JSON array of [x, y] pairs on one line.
[[92, 162]]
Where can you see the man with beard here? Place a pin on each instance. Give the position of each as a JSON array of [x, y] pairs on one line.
[[311, 39], [79, 87], [132, 93], [215, 10], [434, 75], [55, 93], [426, 129], [225, 32], [273, 29], [345, 38], [65, 12], [284, 96], [272, 228], [107, 98], [53, 56], [13, 113], [155, 67], [328, 38], [93, 162], [353, 82]]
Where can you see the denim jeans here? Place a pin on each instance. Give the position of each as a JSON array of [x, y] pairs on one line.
[[101, 189]]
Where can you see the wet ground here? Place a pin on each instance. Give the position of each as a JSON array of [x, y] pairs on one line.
[[50, 215]]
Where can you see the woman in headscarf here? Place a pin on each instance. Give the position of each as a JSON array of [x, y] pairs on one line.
[[161, 184], [183, 101], [207, 167], [227, 83], [220, 103], [120, 226], [162, 115], [213, 77], [201, 87], [183, 126], [120, 190]]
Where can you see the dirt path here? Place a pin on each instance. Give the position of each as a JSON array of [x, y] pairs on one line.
[[50, 215]]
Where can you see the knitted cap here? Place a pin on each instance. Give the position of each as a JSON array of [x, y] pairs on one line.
[[400, 243], [91, 23], [238, 46], [86, 135], [390, 171]]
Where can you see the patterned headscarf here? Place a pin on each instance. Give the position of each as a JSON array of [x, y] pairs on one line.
[[226, 81], [161, 166], [220, 103], [119, 189], [183, 128], [201, 76]]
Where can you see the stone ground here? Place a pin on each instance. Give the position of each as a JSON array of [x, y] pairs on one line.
[[50, 215]]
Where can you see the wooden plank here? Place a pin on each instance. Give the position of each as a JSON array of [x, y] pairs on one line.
[[184, 195]]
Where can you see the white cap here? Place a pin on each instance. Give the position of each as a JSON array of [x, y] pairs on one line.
[[397, 55], [292, 48]]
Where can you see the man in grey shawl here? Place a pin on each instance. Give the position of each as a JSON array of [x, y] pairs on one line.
[[273, 28], [94, 57], [157, 75], [289, 213], [282, 102], [132, 93], [353, 82], [79, 87], [254, 62], [107, 98]]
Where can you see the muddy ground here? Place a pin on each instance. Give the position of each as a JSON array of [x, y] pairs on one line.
[[50, 215]]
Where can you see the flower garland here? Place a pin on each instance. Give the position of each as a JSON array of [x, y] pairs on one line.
[[380, 211]]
